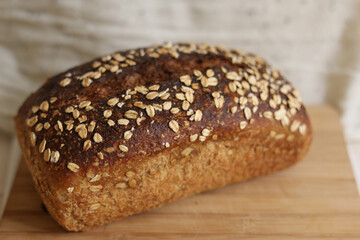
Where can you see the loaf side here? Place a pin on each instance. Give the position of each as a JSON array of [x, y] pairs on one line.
[[136, 129]]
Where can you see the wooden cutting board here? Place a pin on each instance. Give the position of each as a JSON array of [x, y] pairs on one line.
[[316, 199]]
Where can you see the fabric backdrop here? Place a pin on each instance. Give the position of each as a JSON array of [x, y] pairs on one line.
[[316, 44]]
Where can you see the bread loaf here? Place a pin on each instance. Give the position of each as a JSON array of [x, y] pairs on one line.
[[134, 130]]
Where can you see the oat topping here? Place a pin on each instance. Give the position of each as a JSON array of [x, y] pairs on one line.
[[73, 167], [246, 91], [174, 125]]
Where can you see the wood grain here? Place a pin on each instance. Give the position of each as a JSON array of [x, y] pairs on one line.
[[316, 199]]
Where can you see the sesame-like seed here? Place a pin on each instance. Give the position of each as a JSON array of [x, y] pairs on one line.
[[272, 103], [195, 86], [130, 62], [185, 78], [94, 206], [247, 113], [54, 157], [82, 118], [189, 96], [121, 185], [69, 109], [185, 105], [180, 96], [279, 114], [132, 183], [32, 138], [186, 152], [119, 57], [197, 73], [150, 111], [110, 122], [174, 125], [97, 75], [81, 130], [277, 99], [76, 113], [44, 106], [219, 102], [268, 115], [107, 113], [35, 108], [32, 121], [205, 132], [130, 174], [290, 138], [127, 135], [193, 137], [198, 116], [243, 125], [60, 125], [165, 96], [232, 86], [175, 110], [243, 100], [252, 80], [47, 154], [87, 145], [272, 133], [154, 87], [123, 148], [240, 92], [70, 189], [98, 138], [123, 122], [295, 125], [113, 101], [39, 127], [152, 95], [202, 138], [92, 126], [210, 73], [141, 89], [302, 129], [131, 114], [69, 126], [42, 146], [86, 82], [114, 68], [263, 96], [65, 82], [167, 105], [100, 155], [245, 85], [233, 109], [232, 76], [73, 167], [212, 81], [167, 144], [84, 104], [96, 64], [96, 178]]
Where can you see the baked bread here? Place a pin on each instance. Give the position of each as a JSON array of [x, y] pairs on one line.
[[134, 130]]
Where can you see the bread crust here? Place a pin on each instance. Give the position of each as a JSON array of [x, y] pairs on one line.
[[102, 142]]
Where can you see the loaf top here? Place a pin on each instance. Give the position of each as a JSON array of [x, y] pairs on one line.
[[135, 103]]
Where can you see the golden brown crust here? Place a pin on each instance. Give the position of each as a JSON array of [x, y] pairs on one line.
[[137, 129]]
